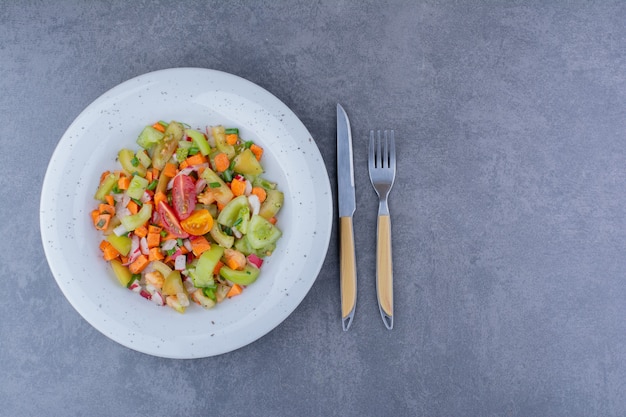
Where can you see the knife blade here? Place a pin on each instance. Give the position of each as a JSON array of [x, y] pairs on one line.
[[347, 206]]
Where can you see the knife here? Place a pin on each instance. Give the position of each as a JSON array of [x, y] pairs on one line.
[[347, 206]]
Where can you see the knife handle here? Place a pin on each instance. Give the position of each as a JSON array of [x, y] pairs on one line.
[[347, 271], [384, 270]]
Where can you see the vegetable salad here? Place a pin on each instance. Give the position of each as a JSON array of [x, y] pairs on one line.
[[189, 216]]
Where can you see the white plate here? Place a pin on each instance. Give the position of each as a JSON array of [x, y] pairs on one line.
[[199, 97]]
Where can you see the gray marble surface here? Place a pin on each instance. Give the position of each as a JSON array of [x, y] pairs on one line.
[[508, 209]]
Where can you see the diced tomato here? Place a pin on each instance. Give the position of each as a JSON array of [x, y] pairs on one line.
[[183, 196], [169, 221], [199, 223]]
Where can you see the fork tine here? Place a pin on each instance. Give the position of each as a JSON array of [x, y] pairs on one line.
[[392, 151], [371, 156], [379, 155], [385, 154]]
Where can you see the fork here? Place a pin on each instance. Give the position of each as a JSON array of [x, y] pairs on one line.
[[382, 171]]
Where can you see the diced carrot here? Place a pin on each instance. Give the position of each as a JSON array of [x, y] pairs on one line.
[[232, 138], [139, 264], [220, 206], [234, 290], [106, 209], [104, 175], [149, 175], [273, 220], [199, 245], [217, 268], [102, 221], [94, 215], [234, 259], [221, 162], [196, 159], [123, 183], [141, 231], [155, 173], [109, 199], [183, 165], [153, 239], [154, 229], [238, 187], [155, 254], [158, 126], [257, 151], [169, 170], [108, 251], [158, 197], [259, 192], [132, 207]]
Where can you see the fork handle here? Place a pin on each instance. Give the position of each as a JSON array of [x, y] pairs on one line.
[[347, 272], [384, 270]]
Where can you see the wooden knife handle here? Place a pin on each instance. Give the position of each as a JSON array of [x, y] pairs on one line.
[[347, 271], [384, 270]]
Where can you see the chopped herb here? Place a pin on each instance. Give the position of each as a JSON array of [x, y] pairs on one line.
[[134, 162], [179, 241], [163, 233], [209, 292], [152, 185], [171, 252], [116, 189], [228, 175], [237, 222], [138, 202], [232, 131], [214, 184], [193, 150], [227, 231], [247, 144], [100, 224]]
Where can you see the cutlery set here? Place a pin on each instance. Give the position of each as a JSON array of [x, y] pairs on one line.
[[382, 173]]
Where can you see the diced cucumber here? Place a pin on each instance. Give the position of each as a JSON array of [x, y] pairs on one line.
[[165, 148], [243, 246], [135, 220], [121, 243], [247, 276], [121, 272], [161, 267], [220, 237], [233, 211], [199, 140], [220, 190], [173, 284], [247, 164], [261, 232], [137, 186], [203, 300], [148, 137], [203, 275], [222, 145], [130, 163], [143, 157], [272, 204], [106, 186], [262, 182]]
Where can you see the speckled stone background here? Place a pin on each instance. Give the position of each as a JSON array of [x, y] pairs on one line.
[[508, 209]]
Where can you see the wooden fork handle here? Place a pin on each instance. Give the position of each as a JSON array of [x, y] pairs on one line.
[[384, 270], [347, 272]]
